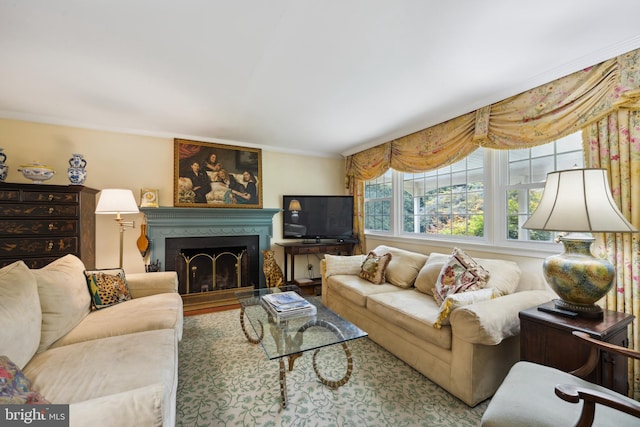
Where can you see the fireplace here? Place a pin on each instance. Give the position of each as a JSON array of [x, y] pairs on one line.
[[215, 252]]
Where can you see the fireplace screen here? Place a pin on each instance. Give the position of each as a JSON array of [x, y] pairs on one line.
[[212, 269]]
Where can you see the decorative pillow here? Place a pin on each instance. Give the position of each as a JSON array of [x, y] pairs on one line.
[[107, 287], [374, 266], [454, 301], [64, 299], [428, 275], [460, 274], [403, 267], [338, 264], [20, 313], [15, 388]]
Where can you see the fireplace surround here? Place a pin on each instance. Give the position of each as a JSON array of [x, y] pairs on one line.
[[166, 225]]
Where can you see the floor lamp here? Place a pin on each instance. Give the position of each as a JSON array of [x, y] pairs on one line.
[[578, 202], [118, 201]]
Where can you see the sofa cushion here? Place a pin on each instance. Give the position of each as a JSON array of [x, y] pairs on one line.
[[63, 297], [412, 311], [107, 287], [454, 301], [374, 267], [461, 273], [15, 388], [403, 267], [20, 315], [97, 368], [356, 289], [339, 264], [160, 311], [504, 276], [428, 275]]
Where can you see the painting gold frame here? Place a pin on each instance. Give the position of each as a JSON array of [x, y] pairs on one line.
[[210, 175]]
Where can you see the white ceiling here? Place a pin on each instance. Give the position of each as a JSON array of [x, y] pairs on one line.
[[321, 77]]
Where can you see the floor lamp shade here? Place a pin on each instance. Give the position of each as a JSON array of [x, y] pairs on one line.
[[117, 201], [578, 201]]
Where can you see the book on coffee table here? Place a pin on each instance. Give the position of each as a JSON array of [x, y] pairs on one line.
[[286, 305]]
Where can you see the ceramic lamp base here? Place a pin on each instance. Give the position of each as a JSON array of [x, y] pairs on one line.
[[579, 278]]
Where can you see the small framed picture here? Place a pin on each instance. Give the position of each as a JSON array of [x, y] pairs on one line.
[[148, 198]]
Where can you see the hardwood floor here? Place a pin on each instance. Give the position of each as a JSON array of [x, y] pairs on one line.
[[211, 309]]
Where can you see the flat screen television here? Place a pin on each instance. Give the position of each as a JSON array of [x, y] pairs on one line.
[[317, 217]]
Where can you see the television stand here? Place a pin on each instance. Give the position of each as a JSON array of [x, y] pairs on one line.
[[311, 242], [291, 249]]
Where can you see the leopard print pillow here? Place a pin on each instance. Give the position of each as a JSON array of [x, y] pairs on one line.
[[107, 287]]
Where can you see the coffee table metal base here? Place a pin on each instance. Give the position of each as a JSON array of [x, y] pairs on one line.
[[292, 357]]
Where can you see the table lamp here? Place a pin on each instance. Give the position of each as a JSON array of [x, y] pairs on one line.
[[118, 201], [578, 202]]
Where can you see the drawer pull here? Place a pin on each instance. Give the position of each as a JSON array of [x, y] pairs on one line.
[[51, 197], [51, 210], [51, 227], [49, 246]]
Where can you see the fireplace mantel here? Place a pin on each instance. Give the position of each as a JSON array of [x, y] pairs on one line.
[[169, 222]]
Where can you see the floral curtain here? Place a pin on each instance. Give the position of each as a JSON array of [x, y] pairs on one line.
[[613, 143], [592, 98]]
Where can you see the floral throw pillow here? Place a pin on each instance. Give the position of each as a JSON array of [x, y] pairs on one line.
[[15, 388], [107, 287], [374, 266], [460, 274]]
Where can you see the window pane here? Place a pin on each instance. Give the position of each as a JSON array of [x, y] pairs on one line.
[[446, 200]]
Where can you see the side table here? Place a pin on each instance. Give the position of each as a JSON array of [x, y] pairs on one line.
[[291, 249], [546, 339]]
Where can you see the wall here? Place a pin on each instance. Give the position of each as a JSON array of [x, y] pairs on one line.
[[120, 160]]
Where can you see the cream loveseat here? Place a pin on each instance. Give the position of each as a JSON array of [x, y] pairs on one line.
[[468, 357], [117, 366]]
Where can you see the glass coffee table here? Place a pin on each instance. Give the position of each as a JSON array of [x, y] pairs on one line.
[[292, 337]]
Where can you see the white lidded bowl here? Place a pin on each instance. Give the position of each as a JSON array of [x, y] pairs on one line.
[[37, 172]]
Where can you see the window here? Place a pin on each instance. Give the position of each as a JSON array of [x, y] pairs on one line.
[[378, 197], [527, 172], [488, 190], [448, 201]]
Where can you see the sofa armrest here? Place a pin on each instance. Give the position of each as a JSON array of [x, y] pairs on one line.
[[145, 284], [490, 322], [138, 407]]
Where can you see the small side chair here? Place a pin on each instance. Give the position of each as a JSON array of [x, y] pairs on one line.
[[537, 395]]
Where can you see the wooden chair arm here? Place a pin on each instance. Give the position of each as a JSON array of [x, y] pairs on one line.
[[612, 348], [594, 355], [574, 394]]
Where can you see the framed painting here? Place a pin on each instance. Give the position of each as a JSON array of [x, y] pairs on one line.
[[209, 175]]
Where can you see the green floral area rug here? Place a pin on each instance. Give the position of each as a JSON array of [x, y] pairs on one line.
[[223, 380]]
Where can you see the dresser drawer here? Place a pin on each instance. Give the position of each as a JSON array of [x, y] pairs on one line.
[[9, 195], [38, 247], [49, 196], [24, 210], [38, 227]]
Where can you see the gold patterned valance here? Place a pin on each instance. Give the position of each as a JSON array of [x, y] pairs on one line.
[[531, 118]]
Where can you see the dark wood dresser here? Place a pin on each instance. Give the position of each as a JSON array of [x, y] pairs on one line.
[[40, 223], [546, 339]]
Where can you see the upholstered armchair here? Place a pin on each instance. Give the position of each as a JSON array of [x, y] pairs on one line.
[[537, 395]]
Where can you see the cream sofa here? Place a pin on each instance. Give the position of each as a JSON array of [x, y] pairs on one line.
[[468, 357], [117, 366]]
